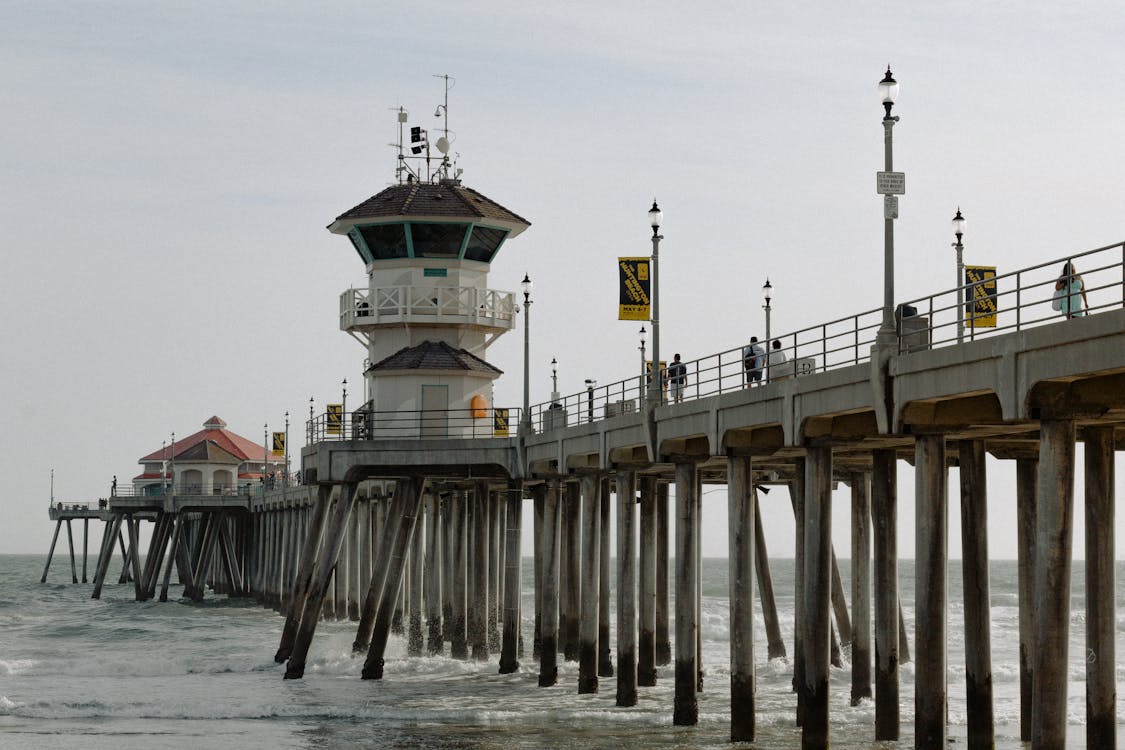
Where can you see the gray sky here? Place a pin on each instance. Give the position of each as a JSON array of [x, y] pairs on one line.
[[169, 168]]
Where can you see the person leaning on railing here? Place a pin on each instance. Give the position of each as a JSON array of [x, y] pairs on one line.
[[1070, 293]]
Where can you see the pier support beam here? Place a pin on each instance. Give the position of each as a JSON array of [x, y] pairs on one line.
[[549, 601], [1101, 688], [1054, 534], [741, 506], [646, 600], [407, 506], [416, 555], [304, 572], [686, 706], [797, 500], [590, 595], [570, 577], [626, 588], [1027, 483], [775, 646], [318, 583], [931, 545], [51, 552], [861, 586], [433, 568], [884, 517], [817, 591], [459, 567], [663, 637], [605, 657], [974, 571], [477, 616], [513, 526]]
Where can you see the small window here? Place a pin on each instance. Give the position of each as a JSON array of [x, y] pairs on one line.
[[437, 240], [385, 241], [483, 243], [360, 247]]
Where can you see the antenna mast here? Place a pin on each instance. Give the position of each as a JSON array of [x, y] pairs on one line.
[[443, 111]]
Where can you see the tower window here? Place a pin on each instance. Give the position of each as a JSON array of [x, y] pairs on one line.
[[385, 241], [437, 240], [483, 243]]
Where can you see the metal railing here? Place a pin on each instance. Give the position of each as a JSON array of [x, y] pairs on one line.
[[395, 303], [430, 424], [243, 488], [1021, 299]]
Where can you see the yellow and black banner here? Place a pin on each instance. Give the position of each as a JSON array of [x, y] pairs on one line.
[[635, 296], [648, 372], [500, 422], [981, 302], [335, 419], [278, 444]]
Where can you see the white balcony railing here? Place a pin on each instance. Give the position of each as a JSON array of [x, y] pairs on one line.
[[450, 305]]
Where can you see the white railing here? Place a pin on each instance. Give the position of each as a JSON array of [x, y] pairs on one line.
[[407, 303]]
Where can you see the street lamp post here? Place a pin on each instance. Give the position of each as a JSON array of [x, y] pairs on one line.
[[767, 295], [344, 412], [888, 91], [590, 386], [958, 230], [554, 381], [525, 417], [655, 215], [644, 337], [287, 448]]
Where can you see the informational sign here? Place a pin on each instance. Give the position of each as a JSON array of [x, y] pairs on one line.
[[500, 422], [278, 444], [335, 419], [981, 300], [890, 183], [890, 207], [634, 296], [648, 372]]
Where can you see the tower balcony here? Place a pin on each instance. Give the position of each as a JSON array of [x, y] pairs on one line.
[[440, 306]]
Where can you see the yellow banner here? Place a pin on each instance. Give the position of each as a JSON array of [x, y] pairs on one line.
[[278, 444], [648, 373], [633, 299], [981, 302], [500, 422], [335, 420]]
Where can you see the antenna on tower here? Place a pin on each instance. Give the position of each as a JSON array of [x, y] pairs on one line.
[[401, 169], [442, 110]]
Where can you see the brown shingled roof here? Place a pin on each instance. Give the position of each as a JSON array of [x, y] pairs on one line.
[[445, 200], [435, 355]]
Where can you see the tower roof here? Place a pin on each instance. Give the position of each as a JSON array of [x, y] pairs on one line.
[[214, 432], [435, 355], [419, 200]]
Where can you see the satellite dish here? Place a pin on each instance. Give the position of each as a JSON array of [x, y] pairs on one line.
[[443, 145]]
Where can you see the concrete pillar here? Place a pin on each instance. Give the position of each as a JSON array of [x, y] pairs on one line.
[[626, 588], [884, 518], [741, 504], [392, 513], [1052, 581], [861, 587], [513, 526], [1101, 688], [477, 616], [605, 658], [797, 500], [408, 506], [433, 574], [663, 637], [333, 538], [686, 707], [549, 602], [495, 568], [538, 495], [445, 530], [646, 600], [591, 568], [459, 564], [817, 591], [570, 592], [1027, 483], [931, 545], [775, 646], [414, 638], [974, 571]]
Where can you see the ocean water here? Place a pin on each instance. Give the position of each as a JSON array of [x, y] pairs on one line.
[[118, 674]]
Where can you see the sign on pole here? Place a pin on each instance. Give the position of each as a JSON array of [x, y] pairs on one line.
[[278, 444], [890, 207], [981, 307], [335, 419], [634, 297], [890, 183], [500, 422]]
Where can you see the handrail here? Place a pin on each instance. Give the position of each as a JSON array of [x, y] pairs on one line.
[[364, 424]]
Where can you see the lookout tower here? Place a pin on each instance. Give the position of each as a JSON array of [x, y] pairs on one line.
[[427, 315]]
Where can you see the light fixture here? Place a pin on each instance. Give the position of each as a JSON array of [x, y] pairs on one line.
[[958, 224], [767, 292], [655, 215], [554, 366], [644, 335], [526, 285], [888, 91]]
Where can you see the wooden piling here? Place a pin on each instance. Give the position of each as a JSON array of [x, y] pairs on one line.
[[1054, 532], [407, 506], [1101, 656], [974, 573], [884, 518], [513, 526], [646, 599], [549, 602], [590, 593], [861, 586], [741, 504], [626, 588], [686, 707], [931, 545]]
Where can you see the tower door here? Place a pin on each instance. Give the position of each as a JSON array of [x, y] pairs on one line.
[[435, 411]]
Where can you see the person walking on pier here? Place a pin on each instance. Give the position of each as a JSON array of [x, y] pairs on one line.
[[753, 359], [1070, 293], [677, 378], [774, 362]]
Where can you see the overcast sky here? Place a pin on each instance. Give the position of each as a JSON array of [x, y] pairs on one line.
[[169, 170]]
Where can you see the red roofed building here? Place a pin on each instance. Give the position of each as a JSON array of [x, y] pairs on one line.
[[212, 461]]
